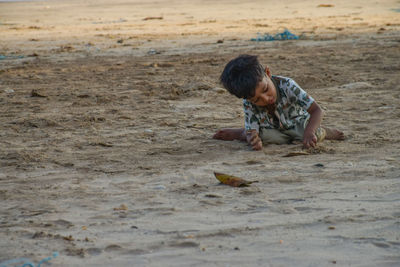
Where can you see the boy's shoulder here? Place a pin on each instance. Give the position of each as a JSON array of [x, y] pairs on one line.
[[287, 85], [282, 81]]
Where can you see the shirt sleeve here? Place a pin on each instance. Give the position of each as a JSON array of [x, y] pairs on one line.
[[251, 122], [297, 95]]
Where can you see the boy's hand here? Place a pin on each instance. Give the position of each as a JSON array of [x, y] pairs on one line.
[[309, 139], [254, 140]]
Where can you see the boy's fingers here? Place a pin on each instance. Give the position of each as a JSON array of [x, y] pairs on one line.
[[250, 135], [312, 143], [258, 146], [253, 136], [308, 144], [255, 140]]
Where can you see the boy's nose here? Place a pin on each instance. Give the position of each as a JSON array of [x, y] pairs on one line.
[[266, 98]]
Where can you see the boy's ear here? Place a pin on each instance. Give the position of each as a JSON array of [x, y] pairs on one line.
[[268, 71]]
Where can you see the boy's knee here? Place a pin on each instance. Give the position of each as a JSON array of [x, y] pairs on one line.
[[320, 133]]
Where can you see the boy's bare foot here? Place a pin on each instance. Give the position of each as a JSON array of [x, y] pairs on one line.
[[333, 134], [229, 134]]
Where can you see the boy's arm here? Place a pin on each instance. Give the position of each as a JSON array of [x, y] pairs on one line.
[[251, 125], [309, 138]]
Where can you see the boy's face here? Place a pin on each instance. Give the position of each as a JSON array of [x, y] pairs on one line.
[[265, 93]]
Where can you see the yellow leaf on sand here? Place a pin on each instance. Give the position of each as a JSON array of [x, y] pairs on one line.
[[121, 207], [325, 5], [232, 180]]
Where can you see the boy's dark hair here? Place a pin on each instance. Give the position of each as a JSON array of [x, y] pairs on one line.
[[242, 75]]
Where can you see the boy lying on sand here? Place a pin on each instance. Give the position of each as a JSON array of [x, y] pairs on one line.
[[276, 109]]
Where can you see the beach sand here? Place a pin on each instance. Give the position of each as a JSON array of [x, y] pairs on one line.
[[107, 113]]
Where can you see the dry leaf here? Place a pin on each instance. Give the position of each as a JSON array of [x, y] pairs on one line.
[[121, 207], [68, 238], [35, 93], [296, 153], [104, 144], [325, 5], [232, 180], [152, 18]]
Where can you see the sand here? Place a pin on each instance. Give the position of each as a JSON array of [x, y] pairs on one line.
[[107, 113]]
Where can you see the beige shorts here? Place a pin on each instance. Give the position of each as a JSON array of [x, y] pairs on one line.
[[275, 136]]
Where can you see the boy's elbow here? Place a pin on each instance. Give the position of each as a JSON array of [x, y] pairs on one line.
[[315, 109], [321, 111]]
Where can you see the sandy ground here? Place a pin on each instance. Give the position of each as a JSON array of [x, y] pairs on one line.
[[107, 112]]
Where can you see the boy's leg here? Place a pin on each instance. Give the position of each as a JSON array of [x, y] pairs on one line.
[[333, 134], [321, 133], [297, 133], [229, 134], [268, 136], [274, 136]]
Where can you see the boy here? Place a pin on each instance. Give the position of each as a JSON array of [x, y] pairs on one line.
[[276, 109]]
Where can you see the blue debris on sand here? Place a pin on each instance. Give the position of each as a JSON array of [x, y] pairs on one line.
[[285, 35], [10, 57], [26, 262]]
